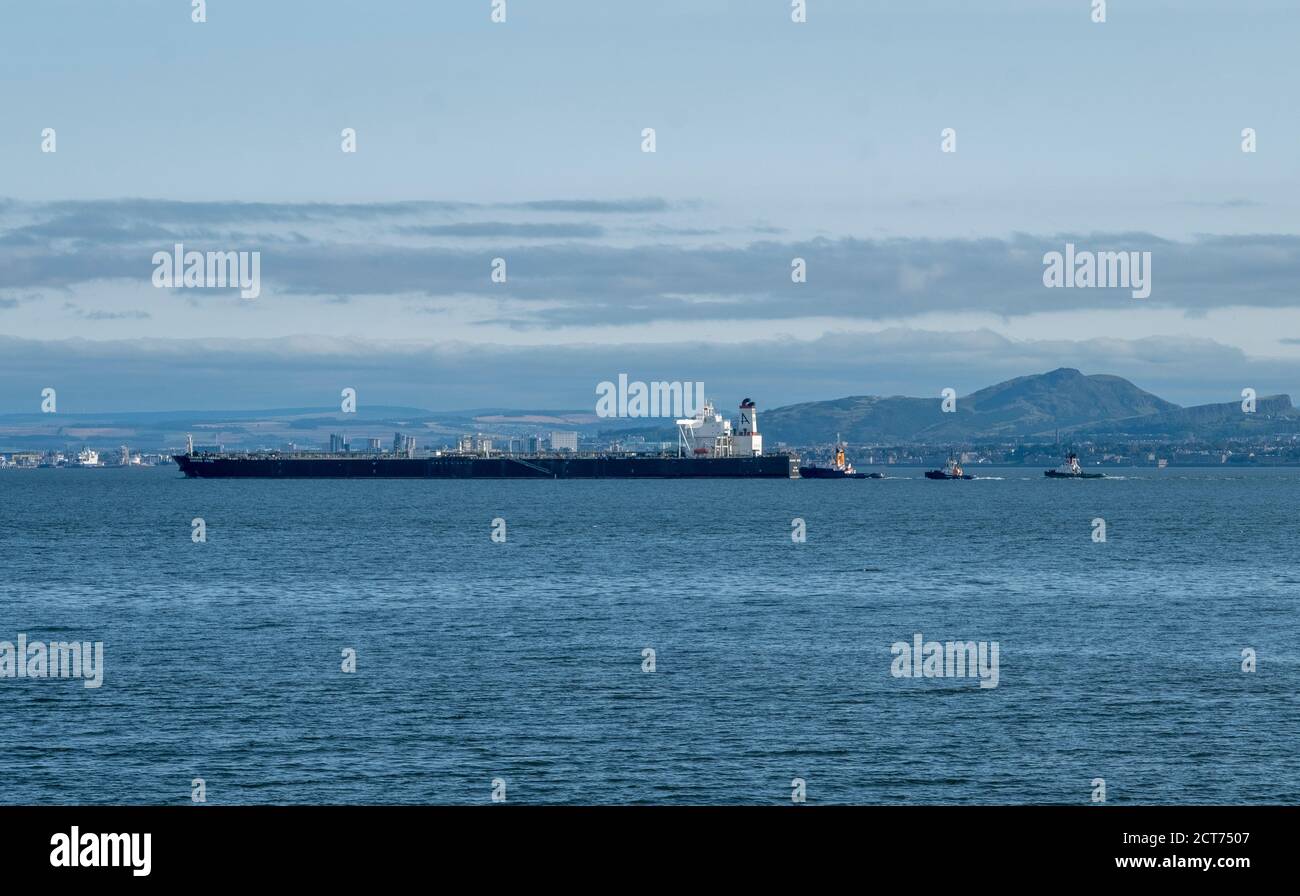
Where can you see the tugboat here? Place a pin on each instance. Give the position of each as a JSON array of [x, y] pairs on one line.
[[951, 470], [1071, 470], [841, 469]]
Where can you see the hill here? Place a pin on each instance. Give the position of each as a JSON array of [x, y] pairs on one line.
[[1027, 407]]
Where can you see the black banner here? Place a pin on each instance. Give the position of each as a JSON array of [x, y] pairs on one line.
[[336, 844]]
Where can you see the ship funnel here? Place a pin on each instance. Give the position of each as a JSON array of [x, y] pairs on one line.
[[748, 419], [747, 442]]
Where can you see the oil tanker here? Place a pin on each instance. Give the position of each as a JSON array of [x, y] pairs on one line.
[[708, 447]]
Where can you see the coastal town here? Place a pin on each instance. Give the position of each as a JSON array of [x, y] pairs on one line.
[[86, 457], [1263, 451]]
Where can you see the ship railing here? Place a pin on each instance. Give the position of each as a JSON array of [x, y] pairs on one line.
[[538, 467]]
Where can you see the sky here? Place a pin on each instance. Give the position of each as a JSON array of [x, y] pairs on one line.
[[522, 141]]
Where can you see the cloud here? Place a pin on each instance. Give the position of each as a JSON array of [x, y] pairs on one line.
[[205, 374], [91, 314], [164, 211], [503, 229], [595, 206], [1223, 203], [561, 272]]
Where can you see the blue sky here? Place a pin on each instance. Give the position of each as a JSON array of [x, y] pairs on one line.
[[522, 140]]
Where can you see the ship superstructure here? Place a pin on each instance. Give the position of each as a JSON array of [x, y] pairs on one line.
[[709, 433]]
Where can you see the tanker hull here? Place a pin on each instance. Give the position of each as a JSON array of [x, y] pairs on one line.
[[254, 466]]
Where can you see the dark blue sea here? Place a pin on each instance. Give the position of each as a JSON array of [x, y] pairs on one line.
[[523, 660]]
